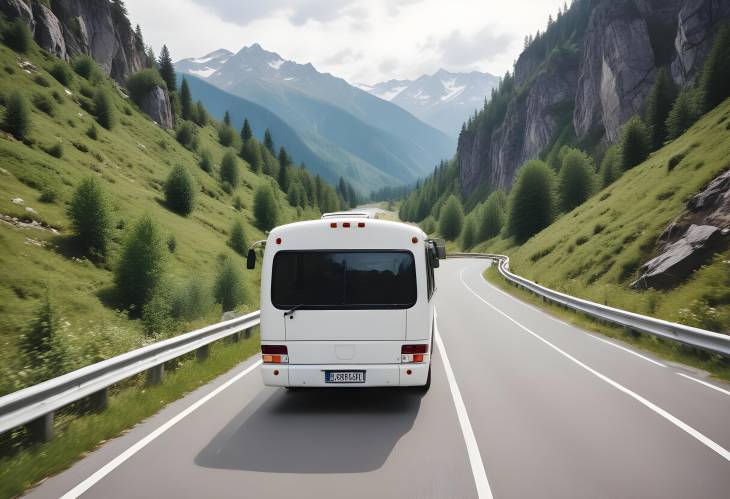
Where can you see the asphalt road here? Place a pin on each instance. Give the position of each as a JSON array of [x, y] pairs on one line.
[[529, 407]]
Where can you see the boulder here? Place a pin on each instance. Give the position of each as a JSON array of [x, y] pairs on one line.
[[17, 8], [48, 32], [680, 258], [716, 193], [157, 106]]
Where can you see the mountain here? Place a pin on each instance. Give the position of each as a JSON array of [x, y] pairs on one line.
[[582, 79], [342, 123], [444, 100]]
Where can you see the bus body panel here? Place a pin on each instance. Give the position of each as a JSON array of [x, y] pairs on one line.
[[334, 338]]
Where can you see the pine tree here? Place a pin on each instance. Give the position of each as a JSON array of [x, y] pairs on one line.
[[180, 191], [269, 141], [206, 161], [658, 106], [265, 209], [610, 169], [468, 235], [492, 219], [635, 143], [150, 58], [683, 114], [451, 218], [138, 39], [251, 153], [227, 118], [186, 101], [167, 70], [90, 216], [283, 170], [200, 116], [17, 116], [714, 80], [42, 347], [246, 132], [141, 265], [17, 36], [229, 169], [576, 179], [531, 201]]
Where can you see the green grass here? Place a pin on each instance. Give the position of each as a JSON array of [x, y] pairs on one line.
[[127, 407], [595, 251], [669, 350], [132, 161]]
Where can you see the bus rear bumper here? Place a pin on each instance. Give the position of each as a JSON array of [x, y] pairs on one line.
[[375, 375]]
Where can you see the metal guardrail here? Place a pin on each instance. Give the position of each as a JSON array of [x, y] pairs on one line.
[[692, 336], [35, 405]]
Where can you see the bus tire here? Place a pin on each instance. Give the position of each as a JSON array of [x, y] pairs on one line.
[[425, 387]]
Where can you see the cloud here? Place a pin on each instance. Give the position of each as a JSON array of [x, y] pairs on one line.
[[395, 6], [299, 12], [344, 56], [458, 50]]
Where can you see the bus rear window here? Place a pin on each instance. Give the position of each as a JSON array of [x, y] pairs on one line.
[[343, 279]]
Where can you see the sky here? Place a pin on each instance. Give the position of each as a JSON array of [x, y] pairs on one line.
[[362, 41]]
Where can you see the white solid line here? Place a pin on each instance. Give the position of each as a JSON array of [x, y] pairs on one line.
[[114, 463], [675, 421], [564, 323], [709, 385], [628, 350], [472, 449]]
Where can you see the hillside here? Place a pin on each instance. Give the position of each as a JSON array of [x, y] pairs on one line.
[[343, 124], [38, 253], [444, 100], [595, 251]]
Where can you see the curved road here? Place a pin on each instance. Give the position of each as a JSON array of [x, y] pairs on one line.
[[521, 405]]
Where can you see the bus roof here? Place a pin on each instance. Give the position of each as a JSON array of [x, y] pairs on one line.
[[346, 214], [347, 232]]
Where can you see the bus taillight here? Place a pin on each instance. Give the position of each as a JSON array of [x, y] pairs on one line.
[[413, 353], [274, 354]]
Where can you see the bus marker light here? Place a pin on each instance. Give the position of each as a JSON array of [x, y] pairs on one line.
[[414, 240], [346, 225], [333, 225], [408, 372], [276, 372], [361, 224], [278, 240]]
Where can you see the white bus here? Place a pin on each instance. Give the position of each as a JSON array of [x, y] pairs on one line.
[[347, 301]]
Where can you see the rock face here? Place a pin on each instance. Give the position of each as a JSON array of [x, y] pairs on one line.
[[681, 258], [157, 106], [691, 239], [73, 27], [529, 126], [621, 44]]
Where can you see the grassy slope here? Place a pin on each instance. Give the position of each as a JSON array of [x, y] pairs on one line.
[[132, 160], [595, 250]]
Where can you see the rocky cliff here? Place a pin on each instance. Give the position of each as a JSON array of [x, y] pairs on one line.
[[73, 27], [618, 46]]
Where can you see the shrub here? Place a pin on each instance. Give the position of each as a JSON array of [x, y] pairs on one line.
[[86, 90], [658, 105], [187, 135], [714, 82], [581, 240], [171, 243], [265, 209], [451, 218], [157, 312], [229, 288], [55, 150], [206, 161], [576, 179], [683, 114], [80, 146], [85, 67], [229, 169], [57, 97], [90, 217], [675, 160], [251, 153], [17, 116], [180, 191], [42, 346], [142, 82], [104, 109], [44, 104], [635, 143], [492, 218], [17, 36], [62, 73], [610, 169], [532, 201], [41, 81], [226, 135], [48, 195], [92, 132], [191, 300], [237, 239], [200, 115], [237, 203], [141, 265]]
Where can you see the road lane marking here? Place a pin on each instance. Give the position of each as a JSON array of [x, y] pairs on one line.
[[627, 350], [709, 385], [472, 449], [114, 463], [564, 323], [666, 415]]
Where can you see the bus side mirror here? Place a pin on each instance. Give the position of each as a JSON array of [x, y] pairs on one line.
[[440, 246], [434, 259], [251, 259]]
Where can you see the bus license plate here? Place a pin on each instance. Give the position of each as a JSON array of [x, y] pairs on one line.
[[344, 376]]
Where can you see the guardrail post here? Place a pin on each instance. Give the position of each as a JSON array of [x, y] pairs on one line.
[[155, 375], [236, 337], [247, 333], [42, 428], [99, 401], [202, 353]]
